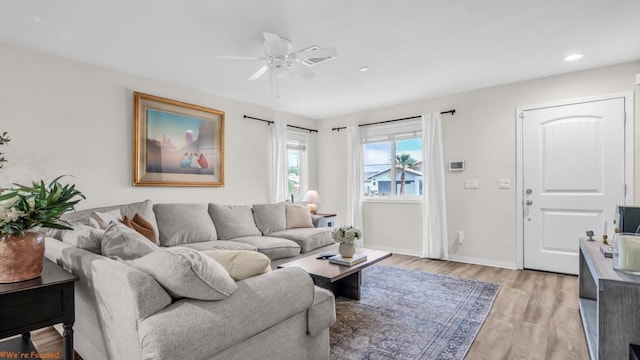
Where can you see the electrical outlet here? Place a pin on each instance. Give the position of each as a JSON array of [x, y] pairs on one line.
[[471, 183], [504, 184], [460, 237]]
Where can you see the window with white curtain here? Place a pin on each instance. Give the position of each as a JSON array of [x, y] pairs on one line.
[[393, 160], [298, 169]]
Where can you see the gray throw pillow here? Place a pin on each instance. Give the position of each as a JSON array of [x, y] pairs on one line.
[[143, 208], [233, 221], [122, 242], [270, 217], [84, 237], [184, 224], [185, 272]]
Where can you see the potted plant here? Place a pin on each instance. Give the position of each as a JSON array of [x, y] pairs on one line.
[[346, 237], [23, 208]]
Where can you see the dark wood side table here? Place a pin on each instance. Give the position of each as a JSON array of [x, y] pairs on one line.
[[34, 304]]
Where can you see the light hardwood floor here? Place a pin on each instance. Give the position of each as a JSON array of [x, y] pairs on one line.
[[535, 315]]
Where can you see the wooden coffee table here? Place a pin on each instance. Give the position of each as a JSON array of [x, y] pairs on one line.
[[342, 280]]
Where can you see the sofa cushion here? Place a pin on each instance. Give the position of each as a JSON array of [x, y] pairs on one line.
[[144, 208], [84, 237], [307, 238], [298, 217], [185, 272], [233, 221], [270, 217], [184, 223], [274, 248], [204, 328], [220, 245], [141, 225], [121, 242], [241, 264]]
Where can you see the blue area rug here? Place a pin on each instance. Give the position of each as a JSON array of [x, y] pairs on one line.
[[407, 314]]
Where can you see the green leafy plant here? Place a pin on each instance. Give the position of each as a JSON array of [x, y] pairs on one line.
[[25, 207], [4, 138]]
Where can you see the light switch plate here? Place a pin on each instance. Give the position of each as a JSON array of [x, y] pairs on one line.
[[504, 184], [471, 183]]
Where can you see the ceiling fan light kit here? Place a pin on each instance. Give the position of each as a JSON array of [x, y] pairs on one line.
[[282, 62]]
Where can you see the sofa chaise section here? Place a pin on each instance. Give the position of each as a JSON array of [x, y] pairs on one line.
[[193, 329]]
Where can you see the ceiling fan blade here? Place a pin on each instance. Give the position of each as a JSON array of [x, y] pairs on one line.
[[273, 44], [227, 57], [320, 53], [299, 70], [256, 75]]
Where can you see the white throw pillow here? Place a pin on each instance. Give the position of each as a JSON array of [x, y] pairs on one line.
[[185, 272], [241, 264]]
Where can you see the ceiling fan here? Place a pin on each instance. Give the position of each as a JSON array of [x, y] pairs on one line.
[[282, 62]]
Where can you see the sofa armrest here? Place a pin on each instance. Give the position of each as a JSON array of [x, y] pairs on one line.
[[205, 328], [111, 298], [322, 313]]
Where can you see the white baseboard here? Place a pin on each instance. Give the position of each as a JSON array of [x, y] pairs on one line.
[[456, 258], [483, 261], [395, 250]]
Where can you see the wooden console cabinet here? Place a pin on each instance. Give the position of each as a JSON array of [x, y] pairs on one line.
[[609, 304]]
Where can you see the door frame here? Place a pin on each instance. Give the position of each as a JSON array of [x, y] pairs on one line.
[[629, 149]]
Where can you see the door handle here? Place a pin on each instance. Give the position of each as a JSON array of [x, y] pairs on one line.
[[528, 202]]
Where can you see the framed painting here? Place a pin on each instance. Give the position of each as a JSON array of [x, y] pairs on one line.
[[176, 144]]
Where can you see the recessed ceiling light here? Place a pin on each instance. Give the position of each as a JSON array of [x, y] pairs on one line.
[[573, 57], [364, 68], [36, 18]]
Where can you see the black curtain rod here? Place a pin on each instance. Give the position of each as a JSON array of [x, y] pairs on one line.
[[452, 111], [271, 122]]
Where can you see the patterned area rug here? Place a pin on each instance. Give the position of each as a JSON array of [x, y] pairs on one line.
[[407, 314]]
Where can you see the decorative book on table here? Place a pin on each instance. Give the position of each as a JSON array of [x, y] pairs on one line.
[[356, 259]]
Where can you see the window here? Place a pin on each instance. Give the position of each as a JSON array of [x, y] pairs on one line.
[[393, 160], [298, 173]]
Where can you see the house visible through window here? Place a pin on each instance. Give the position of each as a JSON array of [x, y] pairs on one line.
[[297, 144], [393, 160]]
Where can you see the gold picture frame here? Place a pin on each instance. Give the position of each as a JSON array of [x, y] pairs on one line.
[[176, 143]]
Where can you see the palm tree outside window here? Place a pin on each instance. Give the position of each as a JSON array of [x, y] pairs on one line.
[[393, 166]]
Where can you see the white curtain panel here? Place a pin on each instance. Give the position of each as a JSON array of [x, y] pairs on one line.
[[354, 177], [280, 189], [434, 208]]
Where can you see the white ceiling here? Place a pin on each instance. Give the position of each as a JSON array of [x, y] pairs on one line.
[[415, 49]]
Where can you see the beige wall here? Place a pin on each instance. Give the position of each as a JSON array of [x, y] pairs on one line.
[[483, 133], [66, 117]]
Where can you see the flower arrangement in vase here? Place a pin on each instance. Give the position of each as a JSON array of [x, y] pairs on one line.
[[23, 208], [346, 237]]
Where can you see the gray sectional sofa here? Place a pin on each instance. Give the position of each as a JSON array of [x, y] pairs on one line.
[[124, 313]]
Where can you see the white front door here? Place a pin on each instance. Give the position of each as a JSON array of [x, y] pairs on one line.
[[573, 176]]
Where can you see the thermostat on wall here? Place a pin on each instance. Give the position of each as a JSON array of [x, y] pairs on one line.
[[457, 165]]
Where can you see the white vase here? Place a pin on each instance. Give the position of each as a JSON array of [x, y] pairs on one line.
[[347, 250]]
